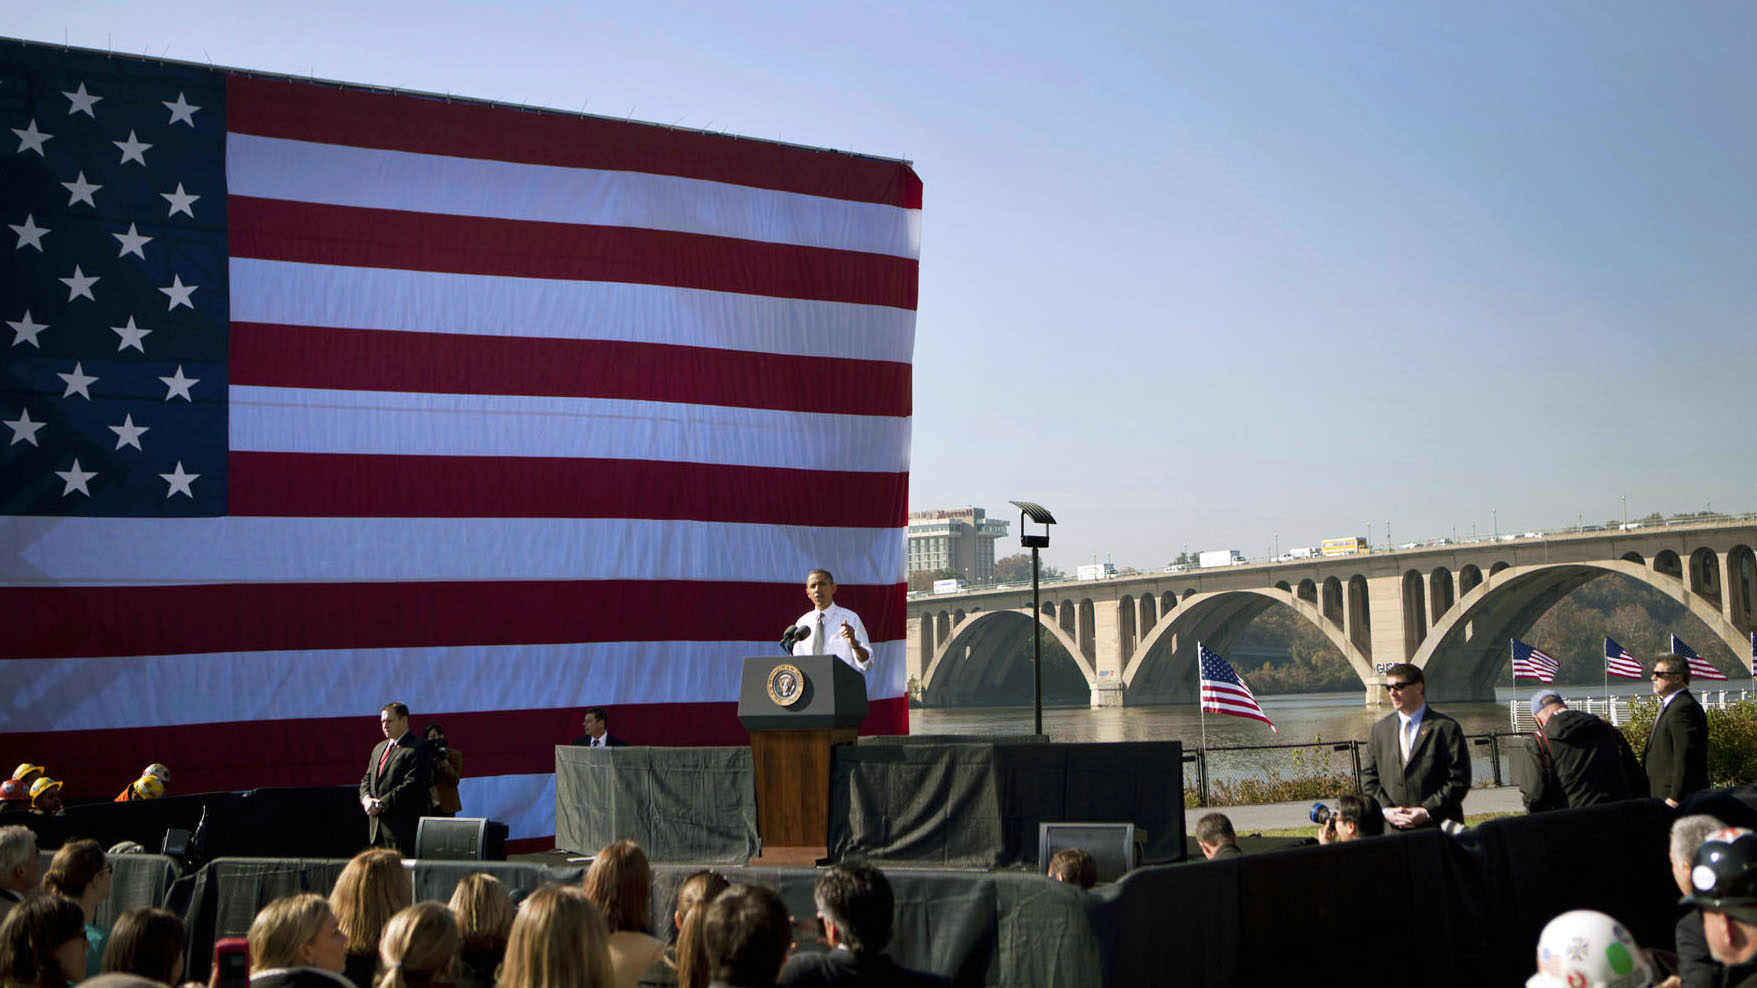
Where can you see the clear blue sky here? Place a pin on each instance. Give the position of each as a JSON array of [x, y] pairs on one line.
[[1204, 274]]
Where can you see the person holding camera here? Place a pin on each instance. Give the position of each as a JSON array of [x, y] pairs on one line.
[[448, 768], [1355, 817]]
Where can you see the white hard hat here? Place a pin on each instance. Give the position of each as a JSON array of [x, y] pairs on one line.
[[1587, 949]]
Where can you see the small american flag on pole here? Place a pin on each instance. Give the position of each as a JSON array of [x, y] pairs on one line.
[[1530, 662], [1700, 668], [1225, 692], [1618, 661]]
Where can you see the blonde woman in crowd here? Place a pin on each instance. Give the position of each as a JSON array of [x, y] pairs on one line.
[[484, 913], [619, 883], [419, 947], [372, 888], [558, 941], [80, 872], [296, 942]]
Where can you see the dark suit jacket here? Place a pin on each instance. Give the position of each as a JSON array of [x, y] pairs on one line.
[[1676, 759], [834, 968], [403, 786], [1437, 776], [610, 741], [1227, 851]]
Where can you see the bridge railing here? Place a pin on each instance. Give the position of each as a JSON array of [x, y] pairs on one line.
[[1242, 775]]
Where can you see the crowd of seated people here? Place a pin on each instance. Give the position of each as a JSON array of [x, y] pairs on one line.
[[367, 933]]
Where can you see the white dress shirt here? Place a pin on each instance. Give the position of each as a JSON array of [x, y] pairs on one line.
[[834, 643], [1407, 726]]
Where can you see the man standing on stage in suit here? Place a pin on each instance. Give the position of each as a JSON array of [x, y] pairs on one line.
[[835, 630], [596, 724], [394, 792], [1417, 766], [1676, 759]]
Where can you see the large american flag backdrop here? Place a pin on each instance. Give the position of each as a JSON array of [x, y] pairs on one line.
[[317, 397]]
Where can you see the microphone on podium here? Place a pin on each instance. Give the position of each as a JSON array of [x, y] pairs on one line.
[[792, 637]]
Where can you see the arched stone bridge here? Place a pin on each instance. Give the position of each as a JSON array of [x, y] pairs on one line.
[[1448, 609]]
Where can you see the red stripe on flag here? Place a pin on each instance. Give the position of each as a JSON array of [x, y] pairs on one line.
[[386, 238], [443, 363], [68, 622], [301, 111], [335, 750], [385, 486]]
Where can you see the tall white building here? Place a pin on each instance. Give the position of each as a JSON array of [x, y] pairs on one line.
[[959, 539]]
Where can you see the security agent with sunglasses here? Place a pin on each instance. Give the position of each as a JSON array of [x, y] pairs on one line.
[[1417, 766], [1676, 758]]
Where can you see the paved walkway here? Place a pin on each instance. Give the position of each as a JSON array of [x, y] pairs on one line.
[[1280, 816]]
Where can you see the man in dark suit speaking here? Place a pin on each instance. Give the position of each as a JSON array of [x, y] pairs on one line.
[[1417, 766], [1676, 759], [394, 790]]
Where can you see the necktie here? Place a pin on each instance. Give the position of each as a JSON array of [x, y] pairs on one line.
[[823, 645], [384, 759], [597, 742], [1408, 733]]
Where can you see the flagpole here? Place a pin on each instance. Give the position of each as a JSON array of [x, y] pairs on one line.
[[1610, 713], [1201, 710]]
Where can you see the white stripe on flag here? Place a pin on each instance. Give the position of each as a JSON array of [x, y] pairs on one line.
[[132, 551], [302, 171], [525, 803], [153, 690], [316, 420], [296, 294]]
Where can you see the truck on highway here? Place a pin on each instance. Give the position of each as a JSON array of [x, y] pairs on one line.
[[1094, 571], [1351, 546], [1219, 557], [953, 585]]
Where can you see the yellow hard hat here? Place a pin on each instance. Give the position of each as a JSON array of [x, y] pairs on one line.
[[43, 785], [149, 787], [26, 768]]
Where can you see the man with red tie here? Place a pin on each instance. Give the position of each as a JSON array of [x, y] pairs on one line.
[[394, 791]]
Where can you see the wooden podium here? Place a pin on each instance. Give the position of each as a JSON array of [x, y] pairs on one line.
[[796, 708]]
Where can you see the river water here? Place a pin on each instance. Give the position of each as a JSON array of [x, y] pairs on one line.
[[1300, 718]]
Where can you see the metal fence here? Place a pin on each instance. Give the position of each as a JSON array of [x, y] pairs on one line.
[[1277, 773]]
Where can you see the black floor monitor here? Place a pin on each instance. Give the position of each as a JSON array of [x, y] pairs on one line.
[[1112, 845], [441, 838]]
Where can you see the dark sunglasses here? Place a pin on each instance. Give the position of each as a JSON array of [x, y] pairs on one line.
[[1398, 686], [1661, 674]]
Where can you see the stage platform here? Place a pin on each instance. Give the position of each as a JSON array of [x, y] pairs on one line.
[[944, 802]]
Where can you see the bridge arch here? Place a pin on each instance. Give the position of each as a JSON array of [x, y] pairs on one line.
[[1307, 591], [1125, 625], [1705, 574], [1163, 667], [1415, 615], [1469, 578], [1474, 634], [1360, 615], [1440, 596], [978, 655], [1741, 585], [1149, 612], [1332, 605], [1666, 561], [1634, 557]]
